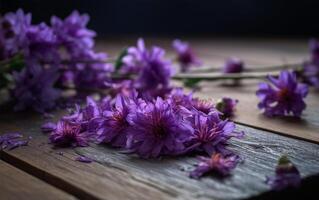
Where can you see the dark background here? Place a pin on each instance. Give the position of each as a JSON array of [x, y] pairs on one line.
[[183, 17]]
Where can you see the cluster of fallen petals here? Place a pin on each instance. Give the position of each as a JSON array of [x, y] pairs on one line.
[[13, 140]]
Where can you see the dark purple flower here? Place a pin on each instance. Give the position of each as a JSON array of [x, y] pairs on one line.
[[233, 65], [48, 127], [113, 125], [287, 175], [83, 159], [210, 134], [222, 165], [34, 88], [226, 106], [284, 97], [155, 130], [69, 134], [185, 55]]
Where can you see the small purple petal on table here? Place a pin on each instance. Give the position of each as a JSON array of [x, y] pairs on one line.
[[48, 127], [84, 159]]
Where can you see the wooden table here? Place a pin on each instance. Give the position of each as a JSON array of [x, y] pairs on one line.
[[38, 171]]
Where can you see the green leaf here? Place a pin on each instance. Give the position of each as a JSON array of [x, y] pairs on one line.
[[118, 62], [191, 82]]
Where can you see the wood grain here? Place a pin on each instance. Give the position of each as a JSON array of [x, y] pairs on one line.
[[16, 184], [115, 175]]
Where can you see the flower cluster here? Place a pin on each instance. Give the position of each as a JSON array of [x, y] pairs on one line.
[[287, 175], [44, 50], [284, 97], [149, 128]]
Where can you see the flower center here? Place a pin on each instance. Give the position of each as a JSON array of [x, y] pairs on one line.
[[159, 131], [284, 95]]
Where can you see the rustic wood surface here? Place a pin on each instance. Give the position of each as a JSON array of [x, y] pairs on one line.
[[115, 175], [16, 184]]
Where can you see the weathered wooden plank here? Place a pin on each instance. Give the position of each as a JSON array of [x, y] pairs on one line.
[[16, 184], [248, 113], [85, 181], [120, 176]]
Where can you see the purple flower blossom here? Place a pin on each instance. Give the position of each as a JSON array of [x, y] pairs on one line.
[[48, 127], [185, 55], [222, 165], [154, 72], [284, 97], [13, 32], [83, 159], [233, 65], [287, 175], [12, 140], [314, 50], [69, 134], [204, 106], [226, 106], [78, 42], [210, 133], [155, 130], [34, 88], [113, 125]]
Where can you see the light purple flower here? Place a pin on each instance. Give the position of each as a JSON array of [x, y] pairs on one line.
[[287, 175], [185, 55], [210, 134], [310, 70], [113, 125], [284, 97], [217, 163], [155, 130], [226, 106], [34, 88], [69, 134], [233, 65]]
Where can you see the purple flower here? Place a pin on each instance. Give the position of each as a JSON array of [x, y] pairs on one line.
[[154, 72], [78, 41], [83, 159], [226, 106], [48, 127], [287, 175], [12, 140], [155, 130], [233, 65], [310, 73], [13, 32], [204, 106], [284, 97], [34, 88], [69, 134], [210, 133], [222, 165], [113, 125], [314, 50], [185, 55]]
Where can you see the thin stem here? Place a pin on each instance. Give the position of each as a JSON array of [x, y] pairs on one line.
[[294, 66], [218, 76]]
